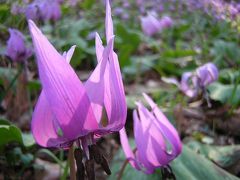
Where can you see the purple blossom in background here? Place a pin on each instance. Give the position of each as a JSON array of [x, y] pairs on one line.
[[43, 10], [68, 110], [151, 25], [50, 10], [153, 134], [192, 83], [166, 22], [17, 9], [16, 48]]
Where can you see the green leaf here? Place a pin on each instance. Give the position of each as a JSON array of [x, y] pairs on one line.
[[224, 156], [28, 139], [9, 134], [224, 93], [191, 165]]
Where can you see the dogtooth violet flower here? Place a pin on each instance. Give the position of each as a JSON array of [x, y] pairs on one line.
[[192, 82], [16, 48], [151, 25], [43, 10], [69, 110], [157, 141]]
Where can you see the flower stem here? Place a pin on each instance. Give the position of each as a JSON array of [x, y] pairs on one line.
[[72, 163], [122, 169], [124, 166]]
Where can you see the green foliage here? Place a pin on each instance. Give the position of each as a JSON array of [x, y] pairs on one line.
[[225, 93], [224, 156]]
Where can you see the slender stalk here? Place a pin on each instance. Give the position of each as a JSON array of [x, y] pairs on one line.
[[124, 166], [72, 163], [122, 169]]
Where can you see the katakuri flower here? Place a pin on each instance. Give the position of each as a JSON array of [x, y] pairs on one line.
[[68, 110], [16, 48], [152, 25], [157, 141], [194, 82], [43, 10]]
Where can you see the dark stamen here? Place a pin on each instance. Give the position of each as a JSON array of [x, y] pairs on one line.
[[99, 158], [78, 154]]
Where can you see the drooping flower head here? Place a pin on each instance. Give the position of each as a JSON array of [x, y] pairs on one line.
[[157, 141], [194, 82], [16, 48], [68, 110]]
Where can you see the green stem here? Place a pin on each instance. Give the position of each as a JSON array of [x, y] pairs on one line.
[[72, 163]]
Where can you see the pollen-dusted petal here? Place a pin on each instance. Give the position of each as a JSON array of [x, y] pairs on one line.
[[96, 82], [108, 21], [42, 126], [127, 149], [64, 92]]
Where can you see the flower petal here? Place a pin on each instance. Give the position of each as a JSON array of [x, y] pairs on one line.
[[143, 145], [114, 99], [43, 127], [166, 127], [68, 55], [127, 149], [185, 86], [96, 82], [65, 93], [108, 21], [99, 47]]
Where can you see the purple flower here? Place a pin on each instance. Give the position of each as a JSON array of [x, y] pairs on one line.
[[153, 134], [189, 84], [68, 110], [166, 22], [16, 48], [50, 10], [43, 10], [192, 83], [151, 25], [32, 11]]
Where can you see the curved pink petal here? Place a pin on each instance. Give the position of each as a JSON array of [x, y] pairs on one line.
[[69, 54], [108, 21], [96, 82], [99, 47], [159, 155], [114, 99], [127, 149], [65, 93], [156, 153], [43, 127], [166, 127], [143, 144]]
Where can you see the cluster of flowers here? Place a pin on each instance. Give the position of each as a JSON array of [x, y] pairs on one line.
[[70, 112], [39, 10], [219, 9]]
